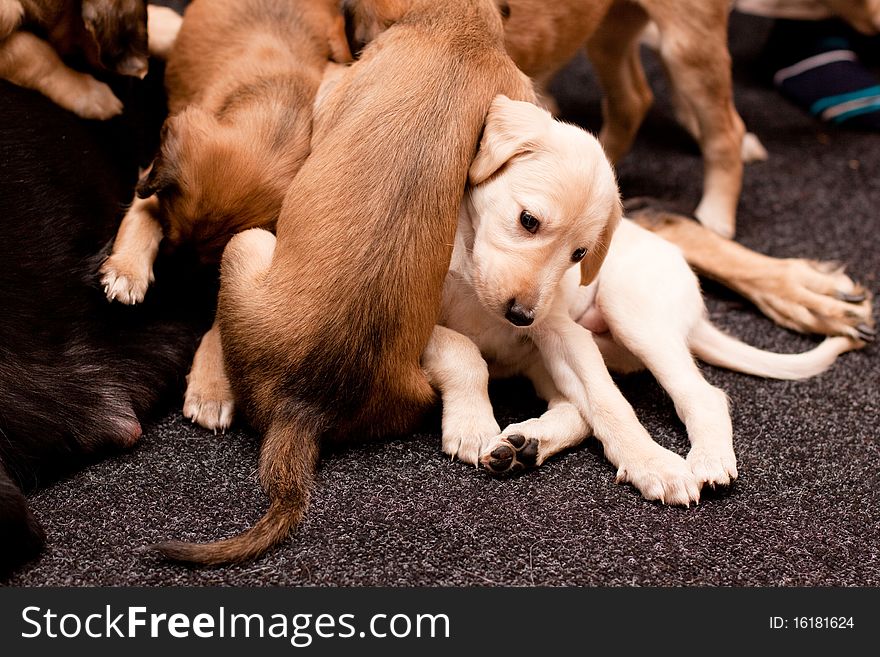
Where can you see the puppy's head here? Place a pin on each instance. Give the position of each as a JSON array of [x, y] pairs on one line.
[[542, 199], [211, 182], [116, 35]]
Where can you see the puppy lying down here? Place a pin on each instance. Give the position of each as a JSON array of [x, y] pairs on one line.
[[542, 198]]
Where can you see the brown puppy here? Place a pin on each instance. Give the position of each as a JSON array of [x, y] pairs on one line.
[[543, 36], [324, 329], [108, 35], [241, 80]]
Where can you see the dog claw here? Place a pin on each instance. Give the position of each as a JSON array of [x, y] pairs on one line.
[[850, 298]]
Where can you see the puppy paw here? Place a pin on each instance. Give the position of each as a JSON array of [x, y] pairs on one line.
[[95, 100], [468, 440], [752, 149], [662, 476], [813, 297], [209, 404], [510, 454], [713, 467], [124, 279]]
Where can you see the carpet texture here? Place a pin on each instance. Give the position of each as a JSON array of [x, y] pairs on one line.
[[804, 512]]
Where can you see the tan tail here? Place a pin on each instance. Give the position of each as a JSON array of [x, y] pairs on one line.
[[715, 347], [287, 465]]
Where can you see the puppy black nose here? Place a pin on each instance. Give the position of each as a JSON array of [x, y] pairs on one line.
[[519, 315]]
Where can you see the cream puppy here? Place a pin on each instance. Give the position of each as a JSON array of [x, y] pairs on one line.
[[542, 198]]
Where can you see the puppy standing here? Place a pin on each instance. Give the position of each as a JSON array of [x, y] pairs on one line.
[[109, 35], [323, 330], [514, 291], [241, 79]]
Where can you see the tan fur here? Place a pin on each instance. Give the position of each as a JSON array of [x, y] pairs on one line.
[[543, 36], [37, 35], [323, 330], [241, 81]]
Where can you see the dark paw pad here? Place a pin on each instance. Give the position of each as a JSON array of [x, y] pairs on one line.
[[515, 453]]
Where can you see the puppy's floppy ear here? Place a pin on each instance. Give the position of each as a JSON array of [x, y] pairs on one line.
[[593, 262], [512, 128], [163, 173]]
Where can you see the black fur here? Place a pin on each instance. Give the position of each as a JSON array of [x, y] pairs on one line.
[[78, 374]]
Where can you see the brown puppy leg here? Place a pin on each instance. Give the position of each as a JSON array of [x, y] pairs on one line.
[[614, 51], [693, 46], [208, 400], [128, 272], [28, 61], [802, 295]]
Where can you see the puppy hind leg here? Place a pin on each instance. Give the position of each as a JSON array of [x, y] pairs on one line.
[[30, 62], [528, 444], [208, 400], [455, 367], [128, 271], [614, 51]]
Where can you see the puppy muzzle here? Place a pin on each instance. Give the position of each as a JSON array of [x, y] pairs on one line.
[[519, 315]]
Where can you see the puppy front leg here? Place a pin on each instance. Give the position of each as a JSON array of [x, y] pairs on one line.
[[128, 271], [163, 24], [577, 368], [208, 400], [28, 61], [456, 368], [530, 443]]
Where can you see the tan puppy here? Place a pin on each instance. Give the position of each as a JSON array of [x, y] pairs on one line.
[[323, 330], [514, 293], [109, 35], [241, 80], [543, 36]]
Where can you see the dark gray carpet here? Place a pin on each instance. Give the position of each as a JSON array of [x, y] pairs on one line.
[[804, 512]]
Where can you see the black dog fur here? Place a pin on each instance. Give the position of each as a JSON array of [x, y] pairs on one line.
[[77, 374]]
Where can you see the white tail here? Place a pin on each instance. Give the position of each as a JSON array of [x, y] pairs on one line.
[[715, 347]]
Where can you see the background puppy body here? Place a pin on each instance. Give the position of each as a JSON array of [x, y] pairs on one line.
[[241, 80], [542, 37], [106, 35], [325, 341], [644, 308]]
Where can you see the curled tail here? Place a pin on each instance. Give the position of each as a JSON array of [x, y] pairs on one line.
[[287, 465], [715, 347]]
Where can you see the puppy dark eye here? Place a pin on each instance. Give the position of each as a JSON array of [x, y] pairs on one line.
[[578, 255], [529, 221]]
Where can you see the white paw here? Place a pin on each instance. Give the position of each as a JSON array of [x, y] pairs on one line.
[[661, 475], [714, 467], [210, 405], [467, 440], [125, 280], [95, 100], [752, 149]]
